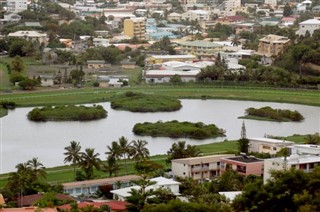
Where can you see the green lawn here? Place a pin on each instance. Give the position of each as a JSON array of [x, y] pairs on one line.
[[77, 96]]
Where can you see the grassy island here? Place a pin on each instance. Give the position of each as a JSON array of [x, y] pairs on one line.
[[175, 129], [139, 102], [270, 114], [67, 113]]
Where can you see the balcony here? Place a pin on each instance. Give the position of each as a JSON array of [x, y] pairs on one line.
[[200, 169]]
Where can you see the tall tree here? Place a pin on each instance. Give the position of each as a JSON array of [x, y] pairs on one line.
[[181, 150], [125, 150], [112, 167], [89, 161], [37, 168], [235, 41], [73, 155], [243, 145]]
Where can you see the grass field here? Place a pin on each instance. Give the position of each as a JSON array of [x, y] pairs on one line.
[[73, 96], [65, 173]]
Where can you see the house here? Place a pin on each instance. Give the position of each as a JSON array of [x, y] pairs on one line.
[[100, 42], [47, 80], [199, 48], [267, 145], [11, 17], [30, 35], [179, 66], [244, 165], [174, 17], [29, 200], [195, 15], [118, 81], [159, 59], [28, 209], [272, 46], [309, 25], [234, 19], [113, 205], [91, 186], [198, 168], [160, 182], [287, 21], [127, 64], [305, 163], [271, 3], [164, 76], [97, 64], [32, 24]]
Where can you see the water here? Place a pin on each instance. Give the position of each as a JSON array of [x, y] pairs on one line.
[[22, 139]]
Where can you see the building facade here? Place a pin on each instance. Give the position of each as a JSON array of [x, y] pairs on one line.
[[244, 165], [198, 168], [135, 27], [16, 6], [309, 25], [200, 48], [267, 145], [30, 35]]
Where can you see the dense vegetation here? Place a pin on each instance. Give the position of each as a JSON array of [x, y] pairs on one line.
[[268, 113], [175, 129], [5, 106], [139, 102], [67, 113]]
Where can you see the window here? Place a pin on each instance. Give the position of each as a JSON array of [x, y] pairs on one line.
[[78, 190], [184, 173]]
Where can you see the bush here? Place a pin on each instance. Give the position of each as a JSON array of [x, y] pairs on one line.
[[67, 113], [175, 129]]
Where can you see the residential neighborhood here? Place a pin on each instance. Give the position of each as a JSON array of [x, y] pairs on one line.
[[159, 105]]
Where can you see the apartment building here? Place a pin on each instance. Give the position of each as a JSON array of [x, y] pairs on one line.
[[267, 145], [271, 3], [244, 165], [305, 163], [198, 167], [196, 15], [271, 46], [305, 149], [232, 5], [200, 48], [16, 6], [135, 27], [30, 35], [309, 25]]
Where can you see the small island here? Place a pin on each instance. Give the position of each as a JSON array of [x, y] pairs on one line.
[[67, 113], [175, 129], [140, 102], [270, 114], [5, 106]]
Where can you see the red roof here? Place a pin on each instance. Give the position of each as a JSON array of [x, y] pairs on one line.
[[288, 19], [236, 18], [29, 200], [114, 205]]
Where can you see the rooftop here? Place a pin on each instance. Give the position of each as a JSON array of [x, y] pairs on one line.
[[198, 160], [199, 43], [245, 159], [310, 21], [270, 140], [187, 56]]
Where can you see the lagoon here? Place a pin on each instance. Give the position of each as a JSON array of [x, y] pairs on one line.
[[21, 139]]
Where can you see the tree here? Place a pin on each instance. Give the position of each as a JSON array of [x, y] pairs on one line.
[[175, 79], [312, 139], [90, 160], [230, 180], [287, 10], [112, 167], [17, 64], [243, 145], [37, 168], [235, 41], [180, 150], [73, 155], [139, 150], [28, 84], [125, 150]]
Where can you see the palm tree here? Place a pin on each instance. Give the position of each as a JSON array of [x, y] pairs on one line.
[[125, 150], [181, 150], [114, 150], [90, 160], [235, 41], [111, 166], [73, 155], [37, 168], [139, 150]]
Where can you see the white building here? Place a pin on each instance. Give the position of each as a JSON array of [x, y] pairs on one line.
[[305, 163], [309, 25], [160, 183], [305, 149], [30, 35], [272, 3], [174, 17], [267, 145], [164, 76], [16, 6], [232, 5], [198, 167], [182, 66], [101, 42], [193, 15]]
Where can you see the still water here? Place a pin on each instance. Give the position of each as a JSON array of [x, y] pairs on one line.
[[22, 139]]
